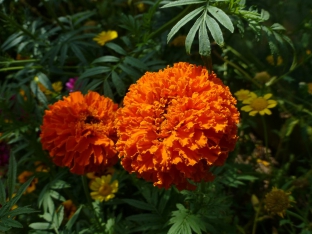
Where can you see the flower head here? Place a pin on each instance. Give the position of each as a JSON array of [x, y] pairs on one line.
[[23, 177], [175, 125], [277, 202], [259, 105], [79, 132], [263, 76], [69, 209], [70, 85], [103, 188], [242, 94], [104, 37]]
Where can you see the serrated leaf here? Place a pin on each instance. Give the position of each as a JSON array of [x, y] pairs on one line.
[[56, 195], [223, 18], [191, 35], [120, 86], [116, 48], [130, 71], [215, 30], [21, 210], [59, 184], [38, 93], [108, 90], [183, 2], [95, 71], [135, 63], [11, 175], [11, 222], [277, 26], [20, 191], [139, 204], [196, 224], [44, 80], [73, 219], [77, 52], [204, 43], [41, 226], [106, 59], [183, 21]]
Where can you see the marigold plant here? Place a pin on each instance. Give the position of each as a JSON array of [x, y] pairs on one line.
[[175, 125], [79, 132]]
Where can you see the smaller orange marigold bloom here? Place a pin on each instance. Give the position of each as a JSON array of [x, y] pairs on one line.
[[79, 132], [23, 177], [69, 208], [175, 125]]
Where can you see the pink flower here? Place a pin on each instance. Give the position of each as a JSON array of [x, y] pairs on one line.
[[70, 85]]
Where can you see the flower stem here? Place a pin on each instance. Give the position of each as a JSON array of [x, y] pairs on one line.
[[265, 137], [254, 226], [86, 189]]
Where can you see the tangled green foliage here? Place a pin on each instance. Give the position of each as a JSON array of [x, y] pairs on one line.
[[262, 46]]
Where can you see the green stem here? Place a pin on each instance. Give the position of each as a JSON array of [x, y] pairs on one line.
[[169, 23], [20, 61], [86, 190], [254, 226], [265, 137], [247, 76], [17, 68]]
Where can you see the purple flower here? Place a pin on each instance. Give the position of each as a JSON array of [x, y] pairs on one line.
[[70, 85], [4, 154]]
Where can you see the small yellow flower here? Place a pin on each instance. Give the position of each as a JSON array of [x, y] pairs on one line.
[[263, 162], [103, 188], [57, 87], [309, 88], [104, 37], [242, 94], [270, 60], [179, 41], [259, 104], [141, 6], [277, 202], [262, 76]]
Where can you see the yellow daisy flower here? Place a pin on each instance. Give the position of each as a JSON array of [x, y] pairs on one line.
[[259, 105], [277, 201], [242, 94], [104, 37], [103, 188]]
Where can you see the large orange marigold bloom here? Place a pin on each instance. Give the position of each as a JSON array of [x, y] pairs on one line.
[[175, 125], [79, 132]]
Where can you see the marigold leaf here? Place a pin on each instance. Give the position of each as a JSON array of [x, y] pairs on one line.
[[183, 2], [191, 34], [12, 41], [38, 93], [120, 86], [95, 71], [183, 21], [215, 30], [139, 204], [44, 80], [108, 90], [130, 71], [135, 63], [116, 48], [2, 193], [148, 218], [11, 175], [20, 191], [11, 222], [21, 210], [204, 43], [223, 18], [41, 226], [106, 59], [77, 52], [73, 219]]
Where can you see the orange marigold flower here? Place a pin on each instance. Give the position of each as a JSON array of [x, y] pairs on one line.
[[69, 209], [23, 177], [175, 125], [79, 132]]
